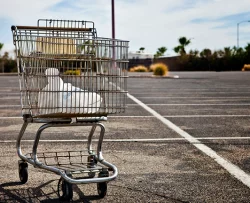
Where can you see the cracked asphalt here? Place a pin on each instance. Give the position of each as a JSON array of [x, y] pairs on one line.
[[210, 106]]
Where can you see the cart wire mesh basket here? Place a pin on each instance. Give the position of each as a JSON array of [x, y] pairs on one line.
[[66, 71]]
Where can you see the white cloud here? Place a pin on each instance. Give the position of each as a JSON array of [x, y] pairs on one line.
[[146, 23]]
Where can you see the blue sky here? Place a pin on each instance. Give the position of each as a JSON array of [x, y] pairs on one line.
[[145, 23]]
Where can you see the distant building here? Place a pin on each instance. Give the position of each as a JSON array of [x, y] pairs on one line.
[[140, 55], [140, 58]]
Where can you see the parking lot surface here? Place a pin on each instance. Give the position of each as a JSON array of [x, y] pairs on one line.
[[180, 140]]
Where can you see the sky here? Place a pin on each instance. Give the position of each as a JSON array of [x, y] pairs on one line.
[[145, 23]]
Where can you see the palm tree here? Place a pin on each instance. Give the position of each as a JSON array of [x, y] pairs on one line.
[[194, 52], [220, 53], [183, 43], [142, 49], [237, 51], [191, 52], [227, 52], [215, 54], [5, 56], [206, 53], [160, 52], [247, 48], [234, 50], [1, 46], [240, 51], [1, 60]]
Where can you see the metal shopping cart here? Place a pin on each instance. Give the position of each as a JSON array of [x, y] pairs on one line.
[[69, 77]]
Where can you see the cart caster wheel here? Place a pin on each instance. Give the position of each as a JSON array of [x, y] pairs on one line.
[[102, 187], [23, 171], [65, 191]]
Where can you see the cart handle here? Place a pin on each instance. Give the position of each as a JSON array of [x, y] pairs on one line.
[[20, 27]]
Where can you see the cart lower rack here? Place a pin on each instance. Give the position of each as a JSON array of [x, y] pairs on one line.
[[69, 78]]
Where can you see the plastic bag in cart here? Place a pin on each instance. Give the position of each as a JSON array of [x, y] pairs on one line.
[[60, 97]]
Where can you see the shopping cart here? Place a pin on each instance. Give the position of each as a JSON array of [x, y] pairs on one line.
[[69, 77]]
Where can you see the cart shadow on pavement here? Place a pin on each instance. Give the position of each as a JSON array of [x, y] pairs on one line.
[[46, 192]]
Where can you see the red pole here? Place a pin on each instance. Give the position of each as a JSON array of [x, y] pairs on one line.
[[113, 18], [113, 32]]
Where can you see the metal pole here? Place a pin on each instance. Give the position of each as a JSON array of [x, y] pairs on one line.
[[113, 32], [238, 25], [238, 35], [113, 18]]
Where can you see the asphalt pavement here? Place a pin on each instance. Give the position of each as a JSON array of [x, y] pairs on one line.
[[180, 140]]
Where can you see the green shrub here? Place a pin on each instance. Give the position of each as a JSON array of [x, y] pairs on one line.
[[159, 69], [72, 72]]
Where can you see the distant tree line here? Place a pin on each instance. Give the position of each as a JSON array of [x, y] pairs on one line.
[[220, 60], [224, 59], [7, 64]]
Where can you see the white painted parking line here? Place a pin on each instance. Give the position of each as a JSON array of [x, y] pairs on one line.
[[205, 116], [201, 97], [231, 168], [11, 117], [11, 93], [189, 92], [248, 104], [229, 87], [6, 90], [180, 116], [166, 116], [19, 117], [9, 97], [10, 106], [162, 140]]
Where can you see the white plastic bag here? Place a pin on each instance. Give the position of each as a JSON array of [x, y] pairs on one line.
[[60, 97]]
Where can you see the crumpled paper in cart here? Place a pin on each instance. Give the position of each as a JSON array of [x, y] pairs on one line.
[[60, 97]]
